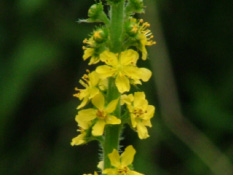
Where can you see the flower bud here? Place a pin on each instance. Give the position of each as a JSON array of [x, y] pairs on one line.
[[96, 13], [131, 28], [95, 10], [135, 6], [100, 35]]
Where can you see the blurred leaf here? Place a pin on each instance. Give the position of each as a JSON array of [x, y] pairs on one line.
[[32, 56], [29, 7]]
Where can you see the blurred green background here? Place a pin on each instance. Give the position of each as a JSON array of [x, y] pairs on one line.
[[41, 62]]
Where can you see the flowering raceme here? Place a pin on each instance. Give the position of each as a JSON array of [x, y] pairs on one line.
[[108, 99]]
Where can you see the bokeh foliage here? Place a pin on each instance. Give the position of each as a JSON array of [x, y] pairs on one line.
[[41, 62]]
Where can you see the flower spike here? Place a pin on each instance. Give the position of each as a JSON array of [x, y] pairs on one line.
[[108, 100]]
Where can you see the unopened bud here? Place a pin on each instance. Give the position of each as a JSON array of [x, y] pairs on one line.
[[131, 28], [100, 35], [96, 14], [135, 6]]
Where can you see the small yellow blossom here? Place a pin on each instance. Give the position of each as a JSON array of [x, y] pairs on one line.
[[89, 51], [80, 139], [145, 38], [90, 83], [141, 35], [140, 112], [102, 115], [124, 69], [121, 162]]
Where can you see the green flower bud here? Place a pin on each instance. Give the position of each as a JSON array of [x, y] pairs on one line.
[[96, 13], [95, 10], [135, 6], [131, 28], [100, 35]]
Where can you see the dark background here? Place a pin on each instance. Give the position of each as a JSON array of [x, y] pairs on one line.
[[41, 63]]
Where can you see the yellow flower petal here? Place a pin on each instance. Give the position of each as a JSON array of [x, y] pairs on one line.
[[114, 158], [99, 101], [139, 99], [98, 128], [109, 58], [132, 72], [111, 106], [133, 120], [134, 173], [150, 111], [105, 71], [126, 99], [147, 123], [110, 171], [84, 117], [83, 103], [94, 60], [88, 53], [93, 78], [127, 156], [93, 92], [142, 131], [129, 57], [122, 84], [101, 165], [145, 74], [112, 120], [79, 139], [144, 53]]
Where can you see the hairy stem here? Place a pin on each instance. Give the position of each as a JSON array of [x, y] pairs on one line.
[[112, 132]]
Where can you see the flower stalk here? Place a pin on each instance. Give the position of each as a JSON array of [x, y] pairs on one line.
[[115, 48], [112, 133], [116, 26]]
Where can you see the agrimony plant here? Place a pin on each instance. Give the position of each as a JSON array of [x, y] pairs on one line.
[[114, 47]]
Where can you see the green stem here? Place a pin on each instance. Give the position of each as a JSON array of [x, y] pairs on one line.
[[116, 26], [112, 132]]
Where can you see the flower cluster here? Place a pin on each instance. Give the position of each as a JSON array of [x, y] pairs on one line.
[[106, 101]]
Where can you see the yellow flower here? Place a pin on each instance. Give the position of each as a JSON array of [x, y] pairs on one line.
[[140, 34], [90, 83], [90, 51], [140, 112], [121, 162], [80, 139], [101, 116], [124, 69], [144, 37]]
